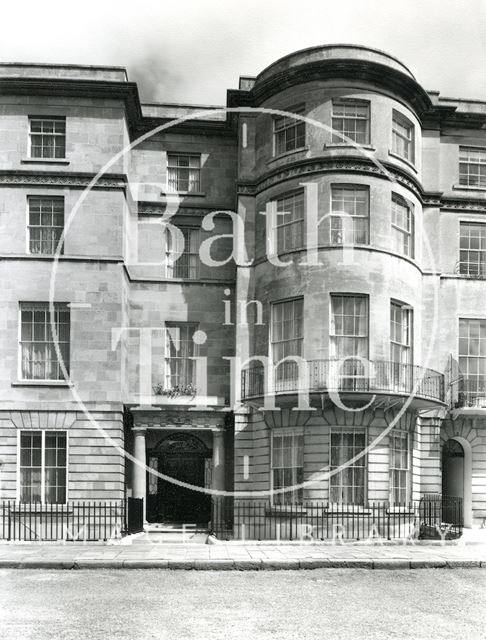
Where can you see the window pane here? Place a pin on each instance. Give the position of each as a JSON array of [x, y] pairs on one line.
[[348, 485], [472, 167], [472, 257], [38, 353], [184, 172], [287, 464]]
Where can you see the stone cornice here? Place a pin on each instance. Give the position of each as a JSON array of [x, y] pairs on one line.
[[127, 92], [301, 168], [443, 116], [225, 128], [449, 204], [446, 203], [344, 69], [157, 209], [61, 179], [363, 166]]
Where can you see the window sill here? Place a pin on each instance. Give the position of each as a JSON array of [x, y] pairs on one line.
[[396, 156], [190, 194], [287, 154], [42, 383], [465, 187], [63, 161], [466, 276], [348, 145], [403, 510], [347, 509]]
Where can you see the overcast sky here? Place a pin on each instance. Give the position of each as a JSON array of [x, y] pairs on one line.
[[192, 51]]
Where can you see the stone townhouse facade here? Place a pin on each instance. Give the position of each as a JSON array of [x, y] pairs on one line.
[[359, 259]]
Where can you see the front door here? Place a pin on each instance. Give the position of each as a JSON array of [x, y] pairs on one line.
[[453, 469], [182, 458], [452, 480], [180, 504]]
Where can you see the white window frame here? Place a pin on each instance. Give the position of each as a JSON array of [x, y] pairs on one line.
[[47, 228], [361, 463], [355, 217], [288, 372], [403, 236], [404, 346], [168, 358], [342, 135], [289, 123], [403, 140], [466, 360], [171, 270], [53, 134], [467, 161], [194, 186], [45, 307], [349, 375], [466, 266], [285, 220], [295, 496], [43, 467], [397, 434]]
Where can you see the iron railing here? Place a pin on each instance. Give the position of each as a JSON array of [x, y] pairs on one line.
[[379, 376], [260, 520], [441, 516], [75, 521]]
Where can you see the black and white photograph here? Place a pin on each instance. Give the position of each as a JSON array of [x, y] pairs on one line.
[[243, 320]]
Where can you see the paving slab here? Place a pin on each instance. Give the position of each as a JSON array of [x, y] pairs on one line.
[[226, 556]]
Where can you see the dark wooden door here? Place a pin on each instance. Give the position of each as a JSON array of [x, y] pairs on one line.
[[180, 504]]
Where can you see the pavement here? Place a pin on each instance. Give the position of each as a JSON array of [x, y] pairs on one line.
[[237, 556]]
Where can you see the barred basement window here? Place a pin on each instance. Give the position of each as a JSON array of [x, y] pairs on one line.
[[287, 466], [183, 254], [399, 467], [403, 134], [38, 356], [350, 219], [184, 172], [347, 486], [288, 133], [180, 353], [46, 224], [472, 167], [472, 252], [290, 222], [402, 227], [351, 120], [47, 137], [42, 467]]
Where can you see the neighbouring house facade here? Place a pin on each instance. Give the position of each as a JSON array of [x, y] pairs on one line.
[[282, 300]]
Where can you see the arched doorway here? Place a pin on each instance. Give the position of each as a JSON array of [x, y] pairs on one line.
[[453, 469], [183, 457], [457, 474]]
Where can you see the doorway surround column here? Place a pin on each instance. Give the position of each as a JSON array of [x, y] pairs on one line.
[[218, 472], [139, 471]]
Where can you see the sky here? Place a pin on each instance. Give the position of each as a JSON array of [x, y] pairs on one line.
[[193, 51]]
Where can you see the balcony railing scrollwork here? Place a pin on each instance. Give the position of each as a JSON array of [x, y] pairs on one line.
[[351, 375]]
